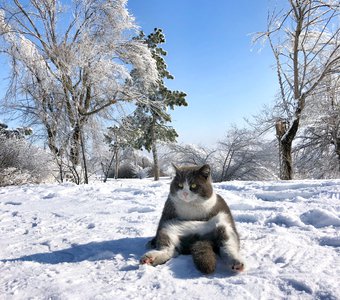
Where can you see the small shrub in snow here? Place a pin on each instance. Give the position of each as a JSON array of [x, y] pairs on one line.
[[22, 163], [125, 171], [13, 176], [141, 172]]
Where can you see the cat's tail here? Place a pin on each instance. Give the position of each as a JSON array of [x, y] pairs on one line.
[[204, 256]]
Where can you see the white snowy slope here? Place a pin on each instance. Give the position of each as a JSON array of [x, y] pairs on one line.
[[84, 242]]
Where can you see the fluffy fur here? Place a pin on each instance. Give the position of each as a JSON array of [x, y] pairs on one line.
[[195, 221]]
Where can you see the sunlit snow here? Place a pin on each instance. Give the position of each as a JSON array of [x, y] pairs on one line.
[[84, 242]]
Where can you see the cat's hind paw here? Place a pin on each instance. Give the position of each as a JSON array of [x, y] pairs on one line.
[[145, 260], [237, 266], [155, 257]]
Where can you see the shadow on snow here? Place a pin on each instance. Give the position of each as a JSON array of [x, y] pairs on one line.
[[94, 251], [181, 267]]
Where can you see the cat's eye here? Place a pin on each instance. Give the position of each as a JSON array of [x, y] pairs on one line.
[[180, 185], [193, 185]]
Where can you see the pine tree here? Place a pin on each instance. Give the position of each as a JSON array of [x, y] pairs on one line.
[[151, 120]]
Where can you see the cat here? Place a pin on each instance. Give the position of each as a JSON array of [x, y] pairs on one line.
[[197, 221]]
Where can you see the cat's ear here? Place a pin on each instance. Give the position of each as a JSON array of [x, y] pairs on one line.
[[205, 171], [175, 167]]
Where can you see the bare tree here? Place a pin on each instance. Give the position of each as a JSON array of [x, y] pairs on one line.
[[318, 144], [242, 155], [118, 139], [190, 154], [305, 41], [71, 66]]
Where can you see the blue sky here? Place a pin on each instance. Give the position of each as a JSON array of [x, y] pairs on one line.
[[211, 55]]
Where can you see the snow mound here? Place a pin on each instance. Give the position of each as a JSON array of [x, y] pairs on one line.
[[320, 218], [284, 220]]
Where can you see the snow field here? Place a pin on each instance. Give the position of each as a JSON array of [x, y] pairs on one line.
[[84, 242]]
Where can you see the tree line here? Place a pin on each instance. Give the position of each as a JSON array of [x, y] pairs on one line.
[[305, 41], [75, 69]]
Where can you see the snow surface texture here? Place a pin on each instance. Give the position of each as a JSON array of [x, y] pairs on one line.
[[84, 242]]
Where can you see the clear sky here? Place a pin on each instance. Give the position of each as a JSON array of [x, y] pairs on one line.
[[211, 55]]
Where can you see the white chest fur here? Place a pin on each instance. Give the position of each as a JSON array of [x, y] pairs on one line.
[[194, 210]]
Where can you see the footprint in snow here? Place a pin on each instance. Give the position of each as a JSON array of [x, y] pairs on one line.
[[12, 203], [330, 241], [49, 196], [280, 260], [298, 286], [35, 222], [57, 215], [246, 218], [91, 226]]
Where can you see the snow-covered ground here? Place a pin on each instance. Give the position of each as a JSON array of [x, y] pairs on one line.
[[84, 242]]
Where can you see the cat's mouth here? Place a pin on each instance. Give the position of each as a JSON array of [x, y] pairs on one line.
[[185, 197], [187, 200]]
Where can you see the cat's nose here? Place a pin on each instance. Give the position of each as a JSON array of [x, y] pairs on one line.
[[185, 194]]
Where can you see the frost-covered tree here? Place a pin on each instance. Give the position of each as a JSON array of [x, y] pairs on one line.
[[305, 40], [190, 154], [118, 139], [151, 119], [70, 64], [242, 155], [318, 144], [18, 133], [20, 161], [239, 156]]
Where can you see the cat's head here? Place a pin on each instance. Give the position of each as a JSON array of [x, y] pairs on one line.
[[192, 184]]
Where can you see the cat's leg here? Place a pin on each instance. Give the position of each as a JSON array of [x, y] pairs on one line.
[[158, 257], [229, 247], [168, 240], [151, 244], [165, 249]]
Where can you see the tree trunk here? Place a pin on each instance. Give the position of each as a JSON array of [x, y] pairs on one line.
[[286, 172], [51, 139], [52, 145], [226, 167], [154, 149], [116, 150], [337, 151], [82, 145], [107, 171], [285, 135], [61, 170], [75, 142], [155, 161]]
